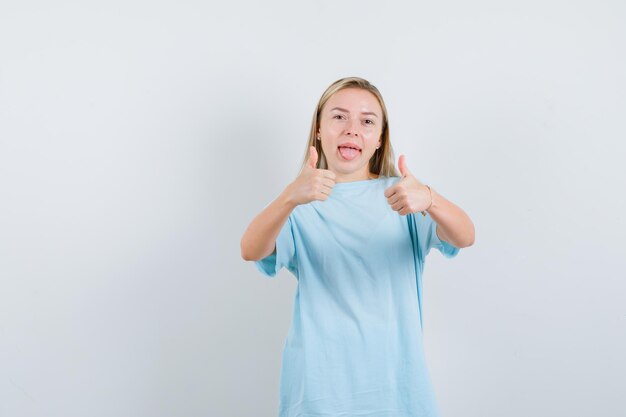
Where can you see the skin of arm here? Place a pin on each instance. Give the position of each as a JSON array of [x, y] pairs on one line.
[[453, 224], [259, 239]]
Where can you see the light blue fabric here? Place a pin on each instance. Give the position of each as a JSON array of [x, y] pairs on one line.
[[355, 345]]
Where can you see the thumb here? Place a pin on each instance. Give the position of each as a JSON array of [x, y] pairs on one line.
[[404, 170], [312, 161]]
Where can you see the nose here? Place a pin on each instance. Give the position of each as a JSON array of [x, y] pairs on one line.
[[351, 130]]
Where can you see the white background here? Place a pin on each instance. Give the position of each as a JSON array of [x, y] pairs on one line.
[[139, 139]]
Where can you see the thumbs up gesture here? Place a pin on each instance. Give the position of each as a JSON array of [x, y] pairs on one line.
[[312, 183], [408, 195]]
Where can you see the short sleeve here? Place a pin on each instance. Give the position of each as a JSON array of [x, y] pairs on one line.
[[285, 254], [426, 230]]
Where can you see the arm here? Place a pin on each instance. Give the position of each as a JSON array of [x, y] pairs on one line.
[[312, 183], [259, 240], [453, 225]]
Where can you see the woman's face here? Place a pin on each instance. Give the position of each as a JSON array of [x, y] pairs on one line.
[[351, 118]]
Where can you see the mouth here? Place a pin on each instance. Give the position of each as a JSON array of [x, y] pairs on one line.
[[350, 147], [348, 152]]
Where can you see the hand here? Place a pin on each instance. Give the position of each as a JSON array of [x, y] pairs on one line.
[[312, 183], [407, 195]]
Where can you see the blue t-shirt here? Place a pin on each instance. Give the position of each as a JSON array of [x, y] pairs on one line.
[[355, 345]]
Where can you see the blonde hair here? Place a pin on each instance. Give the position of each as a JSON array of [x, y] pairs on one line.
[[382, 162]]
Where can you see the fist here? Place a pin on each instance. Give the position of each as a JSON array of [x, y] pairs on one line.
[[312, 183], [408, 195]]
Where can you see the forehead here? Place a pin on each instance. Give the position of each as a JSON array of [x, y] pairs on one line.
[[355, 100]]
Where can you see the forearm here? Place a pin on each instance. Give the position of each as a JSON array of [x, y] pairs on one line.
[[455, 224], [259, 240]]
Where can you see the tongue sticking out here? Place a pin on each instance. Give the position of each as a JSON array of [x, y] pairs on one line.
[[348, 153]]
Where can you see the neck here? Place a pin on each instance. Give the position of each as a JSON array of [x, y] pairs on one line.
[[355, 177]]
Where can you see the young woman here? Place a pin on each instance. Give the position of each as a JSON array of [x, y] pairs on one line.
[[355, 233]]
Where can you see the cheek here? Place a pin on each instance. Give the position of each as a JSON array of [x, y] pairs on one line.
[[371, 134], [332, 128]]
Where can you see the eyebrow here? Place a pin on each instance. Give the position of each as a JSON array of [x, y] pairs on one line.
[[346, 111]]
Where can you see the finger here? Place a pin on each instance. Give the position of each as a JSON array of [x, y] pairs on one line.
[[323, 194], [404, 211], [394, 199], [404, 170], [312, 161], [327, 182], [328, 174], [398, 205], [390, 191]]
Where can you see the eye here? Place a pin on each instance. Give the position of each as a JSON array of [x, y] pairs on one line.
[[338, 116], [369, 121]]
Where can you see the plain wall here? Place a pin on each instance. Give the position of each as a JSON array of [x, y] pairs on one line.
[[139, 139]]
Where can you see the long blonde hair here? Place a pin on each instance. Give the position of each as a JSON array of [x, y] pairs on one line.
[[382, 162]]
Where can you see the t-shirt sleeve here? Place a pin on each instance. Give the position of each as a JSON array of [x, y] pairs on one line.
[[426, 229], [283, 256]]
